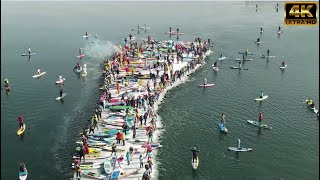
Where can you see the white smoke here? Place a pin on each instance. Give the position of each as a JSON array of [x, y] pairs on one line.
[[100, 49]]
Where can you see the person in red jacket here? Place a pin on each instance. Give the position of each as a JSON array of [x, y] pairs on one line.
[[260, 117], [20, 119], [118, 137]]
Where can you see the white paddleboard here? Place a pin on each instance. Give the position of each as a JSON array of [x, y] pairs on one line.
[[215, 68], [221, 58], [258, 42], [234, 67], [195, 164], [207, 85], [38, 75], [28, 54], [261, 99], [281, 67], [63, 95], [59, 82], [264, 56], [240, 149]]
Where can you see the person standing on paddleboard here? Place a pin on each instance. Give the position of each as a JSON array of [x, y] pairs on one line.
[[194, 151], [268, 52], [283, 64], [279, 29], [170, 29], [223, 118], [20, 119], [221, 56], [261, 95], [205, 82], [177, 30], [261, 30], [29, 51], [38, 72], [258, 40], [215, 64], [61, 92], [260, 117]]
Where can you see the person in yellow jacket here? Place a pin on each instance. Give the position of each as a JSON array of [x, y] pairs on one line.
[[123, 138]]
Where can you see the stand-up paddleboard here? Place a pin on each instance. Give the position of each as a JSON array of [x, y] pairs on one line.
[[215, 68], [86, 36], [279, 32], [38, 75], [195, 163], [240, 149], [80, 56], [180, 33], [260, 125], [261, 99], [207, 85], [107, 166], [247, 53], [21, 130], [60, 82], [235, 67], [265, 56], [59, 98], [23, 174], [238, 59], [93, 175], [170, 32], [221, 58], [143, 28], [258, 42], [222, 128], [283, 67], [28, 54]]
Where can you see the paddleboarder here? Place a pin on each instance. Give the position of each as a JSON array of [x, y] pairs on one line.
[[283, 64], [258, 40], [268, 52], [194, 151], [205, 82], [38, 71], [261, 95], [215, 64], [61, 93], [223, 118], [20, 119], [260, 117]]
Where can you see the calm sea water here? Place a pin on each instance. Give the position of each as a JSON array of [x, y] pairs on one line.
[[54, 30]]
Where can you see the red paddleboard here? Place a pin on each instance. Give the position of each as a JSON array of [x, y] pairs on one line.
[[80, 56], [207, 85]]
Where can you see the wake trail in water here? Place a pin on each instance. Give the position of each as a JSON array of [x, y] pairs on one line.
[[100, 49]]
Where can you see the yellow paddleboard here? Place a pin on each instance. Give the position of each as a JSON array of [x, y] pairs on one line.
[[21, 130]]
